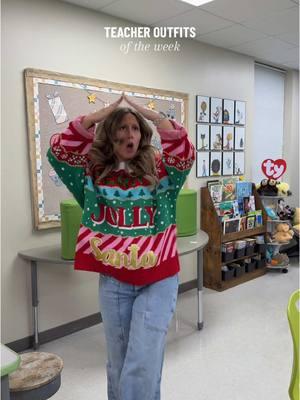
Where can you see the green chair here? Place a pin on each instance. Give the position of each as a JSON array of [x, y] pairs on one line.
[[293, 317]]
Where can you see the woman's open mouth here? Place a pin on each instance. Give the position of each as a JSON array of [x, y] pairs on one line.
[[130, 146]]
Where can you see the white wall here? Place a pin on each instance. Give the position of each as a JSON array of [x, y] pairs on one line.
[[68, 39], [291, 136]]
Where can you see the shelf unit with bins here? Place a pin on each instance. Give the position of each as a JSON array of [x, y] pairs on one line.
[[212, 255], [271, 226]]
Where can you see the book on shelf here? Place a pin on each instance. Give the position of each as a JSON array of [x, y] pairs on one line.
[[251, 221], [243, 223], [229, 188], [216, 192], [226, 208], [231, 225], [243, 189]]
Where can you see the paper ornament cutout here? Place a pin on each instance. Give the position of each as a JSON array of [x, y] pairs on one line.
[[57, 108], [273, 169], [55, 178]]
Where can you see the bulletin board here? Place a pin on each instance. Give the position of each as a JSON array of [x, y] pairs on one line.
[[53, 100]]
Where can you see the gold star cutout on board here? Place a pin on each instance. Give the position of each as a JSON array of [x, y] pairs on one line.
[[151, 105], [92, 98]]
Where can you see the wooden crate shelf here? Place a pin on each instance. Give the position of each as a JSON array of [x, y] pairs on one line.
[[212, 253]]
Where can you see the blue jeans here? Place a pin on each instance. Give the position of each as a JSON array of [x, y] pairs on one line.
[[136, 321]]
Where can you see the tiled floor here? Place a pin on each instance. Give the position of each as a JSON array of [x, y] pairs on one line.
[[244, 351]]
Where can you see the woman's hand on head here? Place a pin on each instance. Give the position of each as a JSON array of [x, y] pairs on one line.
[[149, 114], [98, 116]]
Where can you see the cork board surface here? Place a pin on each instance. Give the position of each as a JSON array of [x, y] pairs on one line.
[[53, 100]]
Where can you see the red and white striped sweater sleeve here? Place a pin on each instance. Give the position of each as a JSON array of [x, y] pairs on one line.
[[178, 151], [75, 139]]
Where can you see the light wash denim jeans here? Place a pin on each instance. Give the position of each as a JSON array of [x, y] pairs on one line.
[[136, 321]]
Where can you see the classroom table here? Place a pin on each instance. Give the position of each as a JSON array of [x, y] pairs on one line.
[[52, 255]]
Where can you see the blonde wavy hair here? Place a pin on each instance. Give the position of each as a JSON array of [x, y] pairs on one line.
[[102, 157]]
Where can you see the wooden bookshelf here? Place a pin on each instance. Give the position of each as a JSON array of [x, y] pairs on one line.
[[213, 251]]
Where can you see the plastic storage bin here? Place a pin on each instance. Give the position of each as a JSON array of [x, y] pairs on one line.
[[186, 212], [71, 214], [228, 251], [229, 274]]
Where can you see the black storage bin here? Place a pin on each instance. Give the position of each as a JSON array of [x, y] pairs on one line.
[[227, 256], [261, 263], [249, 251], [240, 252], [261, 248], [228, 275], [238, 271], [250, 266]]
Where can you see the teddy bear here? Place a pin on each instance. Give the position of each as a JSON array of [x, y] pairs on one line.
[[267, 187], [284, 211], [296, 221], [283, 189], [283, 233]]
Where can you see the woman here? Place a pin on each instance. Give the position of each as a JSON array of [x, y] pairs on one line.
[[128, 193]]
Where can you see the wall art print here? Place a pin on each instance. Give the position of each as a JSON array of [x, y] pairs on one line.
[[216, 106], [227, 163], [202, 109], [202, 164], [53, 99], [203, 142], [228, 136], [215, 164], [228, 112], [239, 163], [240, 112], [216, 141], [239, 138]]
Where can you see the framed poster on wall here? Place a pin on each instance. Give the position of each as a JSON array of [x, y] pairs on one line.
[[202, 140], [228, 136], [239, 163], [227, 163], [216, 105], [240, 112], [202, 164], [216, 137], [228, 111], [215, 163], [202, 109], [239, 138]]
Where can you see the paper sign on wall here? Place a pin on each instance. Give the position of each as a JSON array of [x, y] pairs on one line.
[[273, 169]]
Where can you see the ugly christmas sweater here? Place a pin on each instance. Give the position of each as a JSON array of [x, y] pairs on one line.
[[128, 228]]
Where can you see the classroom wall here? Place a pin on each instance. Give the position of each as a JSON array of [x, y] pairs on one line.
[[68, 39]]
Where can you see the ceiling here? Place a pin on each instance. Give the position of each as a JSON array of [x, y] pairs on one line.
[[267, 30]]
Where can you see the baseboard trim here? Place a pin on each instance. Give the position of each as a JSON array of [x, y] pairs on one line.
[[74, 326]]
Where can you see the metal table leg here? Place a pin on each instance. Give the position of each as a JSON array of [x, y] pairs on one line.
[[200, 287], [35, 302]]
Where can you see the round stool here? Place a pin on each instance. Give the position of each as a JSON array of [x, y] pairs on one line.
[[37, 378]]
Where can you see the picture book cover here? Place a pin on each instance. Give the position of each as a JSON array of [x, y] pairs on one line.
[[243, 189], [231, 225], [229, 188], [216, 192], [226, 208]]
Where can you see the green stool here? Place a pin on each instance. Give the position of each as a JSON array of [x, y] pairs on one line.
[[293, 317], [71, 214], [186, 212]]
